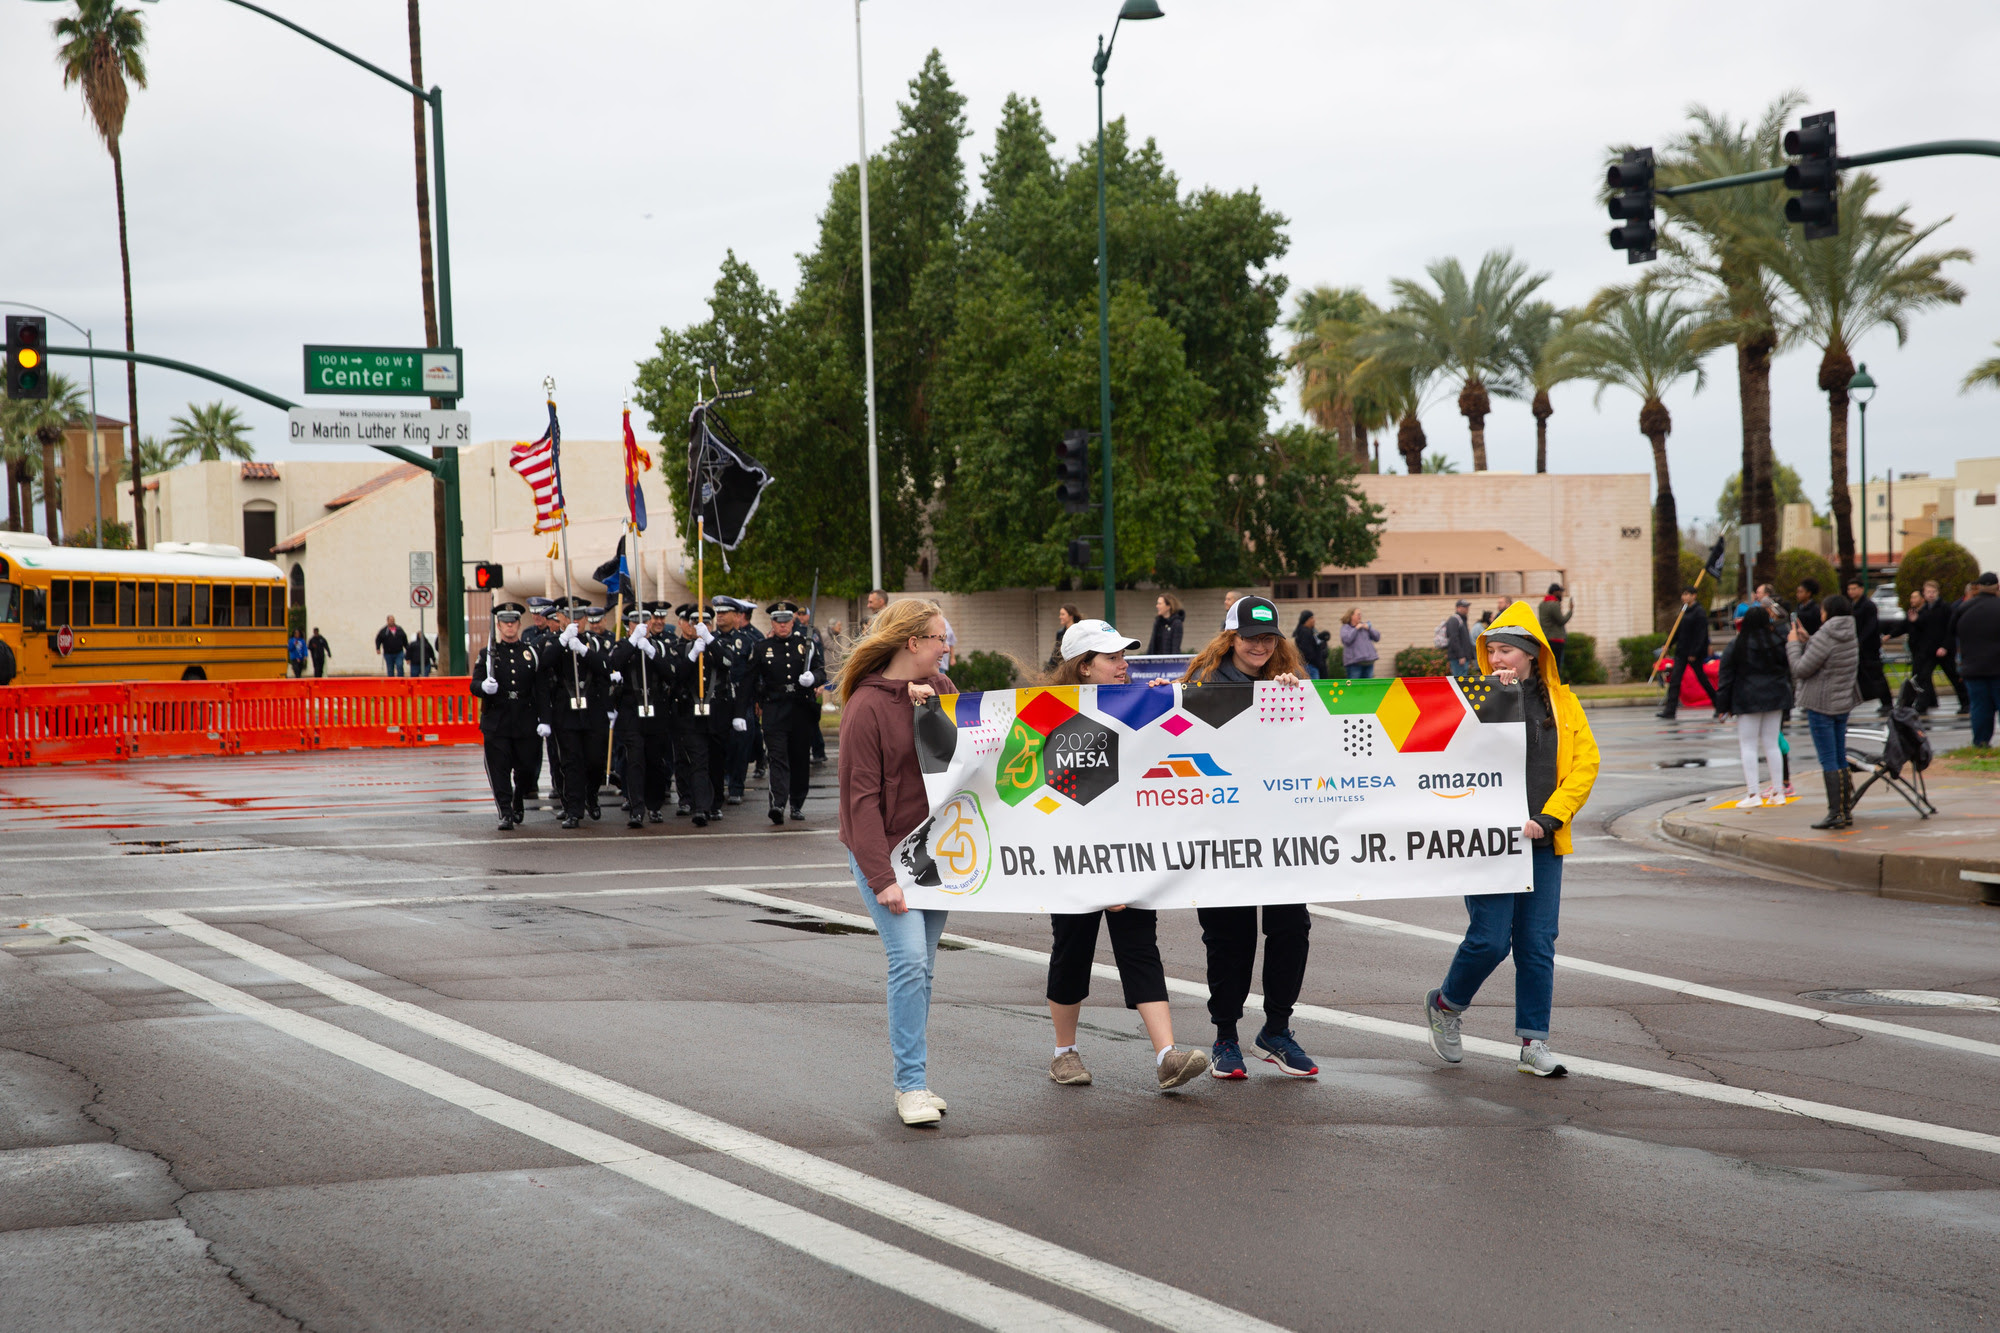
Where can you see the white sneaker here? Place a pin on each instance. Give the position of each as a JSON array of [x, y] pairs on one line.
[[1539, 1060], [1773, 796], [936, 1100], [1751, 802], [918, 1108]]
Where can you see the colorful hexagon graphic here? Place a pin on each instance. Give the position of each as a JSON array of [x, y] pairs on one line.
[[1017, 774], [1134, 705], [1046, 709], [1351, 696], [1420, 713], [1218, 705], [1081, 759]]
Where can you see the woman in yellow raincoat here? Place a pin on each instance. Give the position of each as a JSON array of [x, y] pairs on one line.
[[1561, 768]]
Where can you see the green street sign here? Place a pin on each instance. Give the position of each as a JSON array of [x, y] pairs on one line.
[[408, 372]]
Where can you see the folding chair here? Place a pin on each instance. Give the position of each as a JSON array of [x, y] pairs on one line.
[[1903, 743]]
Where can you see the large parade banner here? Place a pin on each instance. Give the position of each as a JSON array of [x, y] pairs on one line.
[[1068, 799]]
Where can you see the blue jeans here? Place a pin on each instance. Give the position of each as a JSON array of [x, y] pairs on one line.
[[1524, 922], [1829, 738], [911, 941], [394, 663], [1984, 692], [1361, 671]]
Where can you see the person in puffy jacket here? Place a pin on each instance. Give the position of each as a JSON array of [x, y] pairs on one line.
[[1824, 666], [1357, 645], [1311, 644], [1166, 640], [1755, 684]]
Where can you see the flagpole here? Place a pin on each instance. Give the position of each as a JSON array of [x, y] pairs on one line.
[[1677, 626], [562, 535]]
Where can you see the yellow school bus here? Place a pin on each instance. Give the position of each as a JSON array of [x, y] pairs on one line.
[[183, 611]]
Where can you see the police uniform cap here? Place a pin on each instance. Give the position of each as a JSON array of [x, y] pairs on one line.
[[635, 613], [596, 612], [509, 612], [539, 605], [782, 610]]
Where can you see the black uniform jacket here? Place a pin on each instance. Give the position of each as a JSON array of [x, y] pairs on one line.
[[702, 679], [521, 701], [776, 663], [645, 683], [563, 670]]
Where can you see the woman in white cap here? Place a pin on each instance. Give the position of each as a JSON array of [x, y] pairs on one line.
[[1093, 653], [1253, 647]]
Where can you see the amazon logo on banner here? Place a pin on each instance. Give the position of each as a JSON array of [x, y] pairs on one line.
[[1453, 786]]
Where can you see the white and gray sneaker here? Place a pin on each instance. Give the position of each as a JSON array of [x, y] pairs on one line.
[[1443, 1024], [1538, 1059]]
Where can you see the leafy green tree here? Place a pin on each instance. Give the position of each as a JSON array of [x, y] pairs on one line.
[[1796, 565], [1867, 277], [1301, 509], [207, 433], [101, 47], [30, 431], [1439, 465], [1940, 558], [1785, 487], [1461, 326], [1646, 342], [1327, 323], [1987, 372], [1712, 244]]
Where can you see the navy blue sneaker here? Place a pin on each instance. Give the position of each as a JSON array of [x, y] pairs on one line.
[[1227, 1062], [1282, 1050]]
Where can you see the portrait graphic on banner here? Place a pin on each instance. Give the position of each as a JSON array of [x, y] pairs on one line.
[[1072, 798]]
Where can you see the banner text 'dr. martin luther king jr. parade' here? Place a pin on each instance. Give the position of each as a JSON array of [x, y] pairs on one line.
[[1069, 799]]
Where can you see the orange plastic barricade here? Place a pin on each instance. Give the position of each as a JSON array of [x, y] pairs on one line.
[[57, 724]]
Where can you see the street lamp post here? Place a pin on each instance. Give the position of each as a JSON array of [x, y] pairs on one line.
[[96, 453], [1862, 388], [1134, 10]]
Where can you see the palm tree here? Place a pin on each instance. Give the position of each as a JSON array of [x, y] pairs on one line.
[[1708, 243], [1437, 464], [101, 49], [1328, 321], [1541, 361], [1462, 327], [1847, 285], [30, 430], [1384, 392], [1646, 341], [207, 434], [1987, 372]]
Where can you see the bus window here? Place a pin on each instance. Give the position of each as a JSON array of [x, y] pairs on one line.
[[183, 606], [221, 617], [260, 603], [201, 603], [10, 604], [104, 603], [243, 606], [59, 602], [145, 606], [36, 608], [128, 603], [278, 606]]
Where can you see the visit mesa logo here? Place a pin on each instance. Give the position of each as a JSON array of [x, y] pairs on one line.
[[1187, 766]]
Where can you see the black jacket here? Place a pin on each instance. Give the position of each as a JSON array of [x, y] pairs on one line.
[[1931, 630], [1975, 632], [564, 672], [1868, 631], [1691, 638], [1312, 648], [520, 700], [1166, 633], [645, 683], [705, 678], [776, 662], [1755, 676]]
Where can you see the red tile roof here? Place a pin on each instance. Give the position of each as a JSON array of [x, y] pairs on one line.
[[260, 472]]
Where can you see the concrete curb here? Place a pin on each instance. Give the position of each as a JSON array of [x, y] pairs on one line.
[[1887, 874]]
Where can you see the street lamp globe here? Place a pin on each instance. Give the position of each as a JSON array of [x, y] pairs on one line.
[[1862, 387], [1135, 10]]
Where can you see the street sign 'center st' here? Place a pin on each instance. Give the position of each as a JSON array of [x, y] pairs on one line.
[[409, 372]]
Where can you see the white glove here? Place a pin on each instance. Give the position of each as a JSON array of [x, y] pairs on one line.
[[638, 634], [490, 686], [703, 633], [613, 717], [617, 678], [568, 634], [806, 679], [650, 649], [694, 653], [738, 724], [579, 647], [542, 730]]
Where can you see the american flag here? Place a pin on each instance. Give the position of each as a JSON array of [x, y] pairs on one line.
[[540, 465]]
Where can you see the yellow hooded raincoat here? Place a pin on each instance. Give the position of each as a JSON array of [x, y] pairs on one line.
[[1576, 748]]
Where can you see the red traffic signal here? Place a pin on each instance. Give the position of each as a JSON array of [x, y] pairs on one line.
[[486, 576]]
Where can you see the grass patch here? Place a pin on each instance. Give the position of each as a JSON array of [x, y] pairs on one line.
[[1972, 759]]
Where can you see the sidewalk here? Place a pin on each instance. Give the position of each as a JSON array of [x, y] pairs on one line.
[[1889, 851]]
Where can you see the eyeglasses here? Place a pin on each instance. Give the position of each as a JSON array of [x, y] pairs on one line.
[[939, 637]]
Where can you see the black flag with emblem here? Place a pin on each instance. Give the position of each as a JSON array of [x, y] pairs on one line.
[[724, 481]]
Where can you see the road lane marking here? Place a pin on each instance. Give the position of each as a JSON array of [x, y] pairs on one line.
[[415, 879], [1741, 999], [970, 1298], [1154, 1301], [1725, 1093], [432, 900], [395, 846]]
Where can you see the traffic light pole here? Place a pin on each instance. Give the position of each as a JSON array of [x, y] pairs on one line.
[[1104, 354], [1937, 148]]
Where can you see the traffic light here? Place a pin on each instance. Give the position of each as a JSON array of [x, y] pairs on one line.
[[1073, 471], [1632, 175], [486, 576], [27, 356], [1816, 174], [1079, 552]]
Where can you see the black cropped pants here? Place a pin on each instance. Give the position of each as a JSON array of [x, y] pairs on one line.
[[1135, 947]]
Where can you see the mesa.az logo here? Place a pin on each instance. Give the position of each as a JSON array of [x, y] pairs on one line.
[[1187, 766]]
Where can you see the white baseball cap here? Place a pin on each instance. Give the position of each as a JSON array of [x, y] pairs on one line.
[[1094, 636]]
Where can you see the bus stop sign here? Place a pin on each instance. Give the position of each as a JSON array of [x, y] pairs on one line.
[[65, 639]]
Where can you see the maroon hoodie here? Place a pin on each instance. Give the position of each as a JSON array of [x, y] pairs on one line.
[[881, 788]]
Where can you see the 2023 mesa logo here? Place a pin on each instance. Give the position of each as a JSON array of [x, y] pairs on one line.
[[1182, 767]]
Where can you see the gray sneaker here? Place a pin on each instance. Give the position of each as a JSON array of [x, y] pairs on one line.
[[1068, 1068], [1539, 1060], [1443, 1025], [1181, 1065]]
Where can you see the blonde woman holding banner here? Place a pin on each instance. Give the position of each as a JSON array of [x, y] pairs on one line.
[[1561, 768], [887, 674], [1093, 653]]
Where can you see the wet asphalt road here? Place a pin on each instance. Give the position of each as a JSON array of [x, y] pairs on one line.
[[323, 1050]]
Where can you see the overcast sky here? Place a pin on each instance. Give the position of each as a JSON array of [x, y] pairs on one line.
[[604, 155]]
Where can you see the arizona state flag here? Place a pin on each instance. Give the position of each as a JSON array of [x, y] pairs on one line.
[[637, 464]]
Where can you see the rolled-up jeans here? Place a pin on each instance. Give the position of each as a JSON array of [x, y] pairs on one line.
[[1829, 738], [1523, 923], [911, 941]]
